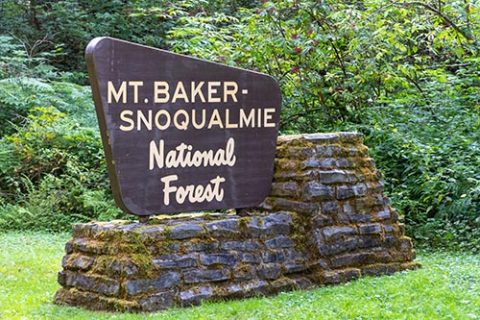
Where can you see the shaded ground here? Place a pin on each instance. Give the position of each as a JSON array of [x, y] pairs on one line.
[[447, 287]]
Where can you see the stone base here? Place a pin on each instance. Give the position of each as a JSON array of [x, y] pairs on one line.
[[325, 222]]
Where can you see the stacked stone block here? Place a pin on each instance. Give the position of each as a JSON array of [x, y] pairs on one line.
[[326, 221]]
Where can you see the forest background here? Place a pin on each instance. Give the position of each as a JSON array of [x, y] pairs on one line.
[[406, 74]]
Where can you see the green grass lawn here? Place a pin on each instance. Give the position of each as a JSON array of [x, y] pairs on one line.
[[447, 287]]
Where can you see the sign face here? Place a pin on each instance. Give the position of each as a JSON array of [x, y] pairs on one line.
[[182, 134]]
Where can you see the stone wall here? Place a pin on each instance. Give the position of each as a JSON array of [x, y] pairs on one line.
[[326, 221]]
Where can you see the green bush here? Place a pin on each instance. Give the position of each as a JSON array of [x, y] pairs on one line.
[[333, 59], [17, 60], [66, 26], [430, 162], [55, 205], [27, 82], [18, 96], [53, 173]]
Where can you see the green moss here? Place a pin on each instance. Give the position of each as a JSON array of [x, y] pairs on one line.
[[243, 223], [101, 264], [243, 267], [301, 232], [126, 249], [164, 245], [167, 232]]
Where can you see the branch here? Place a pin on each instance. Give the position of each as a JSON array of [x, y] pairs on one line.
[[441, 15], [415, 83], [295, 116], [336, 51]]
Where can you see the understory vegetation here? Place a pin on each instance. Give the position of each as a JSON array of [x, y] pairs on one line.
[[404, 73]]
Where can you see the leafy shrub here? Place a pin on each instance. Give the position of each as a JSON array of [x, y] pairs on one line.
[[16, 60], [430, 156], [65, 26], [333, 59], [55, 205], [54, 170], [19, 95]]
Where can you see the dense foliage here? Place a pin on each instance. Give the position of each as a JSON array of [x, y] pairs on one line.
[[405, 73]]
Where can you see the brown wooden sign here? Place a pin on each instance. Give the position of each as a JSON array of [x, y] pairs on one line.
[[182, 134]]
